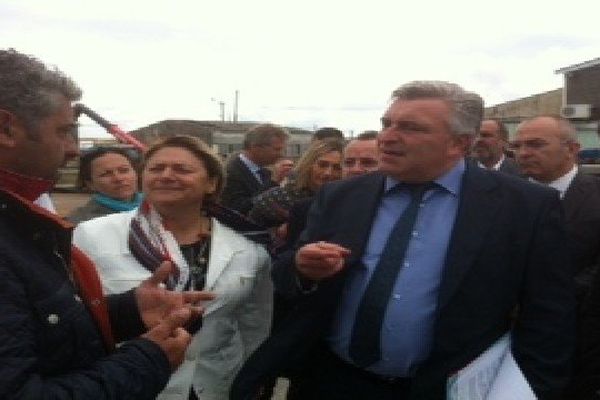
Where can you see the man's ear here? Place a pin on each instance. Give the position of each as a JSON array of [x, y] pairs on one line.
[[463, 142], [574, 148], [211, 186], [7, 121]]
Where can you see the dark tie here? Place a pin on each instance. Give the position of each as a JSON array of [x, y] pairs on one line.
[[265, 175], [365, 346]]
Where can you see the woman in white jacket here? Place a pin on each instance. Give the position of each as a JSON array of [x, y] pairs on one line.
[[180, 178]]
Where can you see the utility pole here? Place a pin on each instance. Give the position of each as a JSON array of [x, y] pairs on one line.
[[222, 107], [235, 106]]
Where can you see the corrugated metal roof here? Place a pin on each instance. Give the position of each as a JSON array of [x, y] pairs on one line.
[[579, 66]]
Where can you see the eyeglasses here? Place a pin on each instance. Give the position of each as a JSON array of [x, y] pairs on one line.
[[363, 162], [533, 144]]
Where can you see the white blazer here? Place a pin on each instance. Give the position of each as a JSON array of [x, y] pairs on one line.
[[235, 323]]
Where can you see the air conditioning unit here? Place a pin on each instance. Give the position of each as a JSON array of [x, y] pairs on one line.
[[581, 111]]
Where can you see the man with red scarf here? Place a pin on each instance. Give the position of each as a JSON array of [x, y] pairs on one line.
[[57, 331]]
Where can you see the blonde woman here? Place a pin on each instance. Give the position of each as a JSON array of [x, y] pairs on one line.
[[321, 163]]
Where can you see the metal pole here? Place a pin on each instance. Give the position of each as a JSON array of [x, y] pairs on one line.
[[235, 107]]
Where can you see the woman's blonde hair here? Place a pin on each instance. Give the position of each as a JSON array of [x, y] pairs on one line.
[[304, 167]]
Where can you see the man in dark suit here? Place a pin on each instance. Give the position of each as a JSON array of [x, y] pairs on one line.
[[404, 276], [247, 174], [489, 149], [546, 149]]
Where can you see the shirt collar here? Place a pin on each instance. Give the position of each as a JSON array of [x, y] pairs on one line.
[[562, 184], [450, 181], [496, 166], [252, 166]]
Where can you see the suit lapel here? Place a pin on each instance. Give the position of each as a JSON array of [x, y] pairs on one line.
[[366, 203], [248, 175], [478, 203]]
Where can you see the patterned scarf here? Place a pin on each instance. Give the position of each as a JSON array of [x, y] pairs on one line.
[[150, 243]]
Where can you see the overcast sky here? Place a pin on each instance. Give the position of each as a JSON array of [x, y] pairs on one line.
[[307, 63]]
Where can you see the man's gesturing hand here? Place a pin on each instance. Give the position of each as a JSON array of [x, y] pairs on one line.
[[320, 260], [155, 302], [171, 337]]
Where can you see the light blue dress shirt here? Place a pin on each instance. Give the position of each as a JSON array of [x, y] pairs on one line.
[[253, 167], [407, 333]]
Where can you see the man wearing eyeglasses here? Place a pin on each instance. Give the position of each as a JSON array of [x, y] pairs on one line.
[[546, 150]]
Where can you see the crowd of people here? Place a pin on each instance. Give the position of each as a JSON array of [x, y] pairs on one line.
[[391, 260]]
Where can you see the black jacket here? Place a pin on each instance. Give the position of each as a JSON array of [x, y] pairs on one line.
[[582, 216], [50, 346], [241, 186]]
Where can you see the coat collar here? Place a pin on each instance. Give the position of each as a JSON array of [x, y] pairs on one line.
[[25, 186], [222, 248], [246, 173]]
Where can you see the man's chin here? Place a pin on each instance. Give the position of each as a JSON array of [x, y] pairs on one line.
[[530, 172]]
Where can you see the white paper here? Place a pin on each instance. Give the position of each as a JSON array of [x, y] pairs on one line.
[[494, 375], [510, 382]]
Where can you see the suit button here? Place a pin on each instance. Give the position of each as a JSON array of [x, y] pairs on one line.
[[53, 319]]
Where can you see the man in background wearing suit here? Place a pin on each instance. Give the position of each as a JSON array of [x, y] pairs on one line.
[[360, 155], [247, 174], [490, 147], [404, 276], [546, 150]]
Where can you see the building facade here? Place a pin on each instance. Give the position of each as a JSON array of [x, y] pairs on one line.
[[224, 137]]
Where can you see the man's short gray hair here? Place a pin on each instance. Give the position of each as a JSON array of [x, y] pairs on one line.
[[467, 107], [30, 90]]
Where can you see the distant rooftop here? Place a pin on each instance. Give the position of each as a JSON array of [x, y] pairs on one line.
[[191, 126], [577, 67]]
